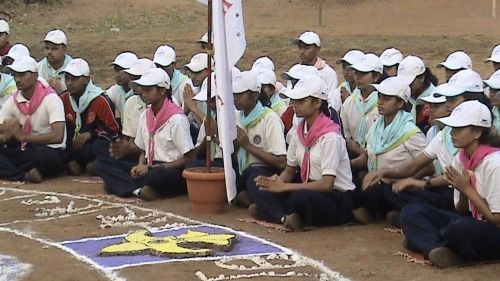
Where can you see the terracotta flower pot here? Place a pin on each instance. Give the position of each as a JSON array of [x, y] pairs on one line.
[[207, 191]]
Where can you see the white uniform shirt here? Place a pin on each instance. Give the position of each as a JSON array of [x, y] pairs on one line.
[[115, 94], [172, 140], [487, 179], [436, 149], [328, 156], [51, 110], [134, 107], [268, 135], [399, 156], [351, 117], [201, 137], [331, 80]]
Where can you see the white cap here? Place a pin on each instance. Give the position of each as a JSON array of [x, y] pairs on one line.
[[245, 81], [310, 86], [456, 61], [17, 51], [390, 57], [266, 77], [164, 55], [394, 86], [352, 57], [434, 99], [204, 38], [369, 63], [142, 66], [202, 95], [198, 62], [263, 63], [154, 77], [494, 81], [468, 113], [77, 67], [4, 26], [300, 71], [24, 64], [57, 37], [125, 60], [411, 67], [309, 38], [466, 80], [495, 54]]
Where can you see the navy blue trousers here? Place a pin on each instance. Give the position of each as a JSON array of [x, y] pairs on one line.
[[89, 152], [14, 162], [316, 208], [427, 227], [116, 176], [218, 162], [380, 199]]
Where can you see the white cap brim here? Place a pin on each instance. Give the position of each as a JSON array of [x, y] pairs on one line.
[[457, 121], [494, 84], [447, 91], [21, 68], [434, 99], [450, 65], [147, 83], [494, 59], [195, 67]]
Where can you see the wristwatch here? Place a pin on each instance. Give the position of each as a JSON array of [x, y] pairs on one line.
[[427, 182]]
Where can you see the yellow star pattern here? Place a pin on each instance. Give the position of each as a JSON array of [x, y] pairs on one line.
[[192, 243]]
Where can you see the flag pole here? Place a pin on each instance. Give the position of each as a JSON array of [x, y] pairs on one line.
[[210, 53]]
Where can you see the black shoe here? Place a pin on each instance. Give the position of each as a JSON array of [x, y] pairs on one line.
[[254, 212], [74, 168]]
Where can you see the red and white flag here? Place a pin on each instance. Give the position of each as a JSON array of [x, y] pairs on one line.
[[229, 46]]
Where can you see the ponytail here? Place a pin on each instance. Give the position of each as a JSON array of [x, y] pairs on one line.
[[489, 137]]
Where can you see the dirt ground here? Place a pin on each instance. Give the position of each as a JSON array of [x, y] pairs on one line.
[[430, 29]]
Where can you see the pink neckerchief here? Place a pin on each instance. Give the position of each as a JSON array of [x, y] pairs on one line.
[[320, 63], [321, 126], [29, 107], [167, 110], [470, 164]]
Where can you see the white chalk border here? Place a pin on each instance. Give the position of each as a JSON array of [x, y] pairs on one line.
[[111, 273]]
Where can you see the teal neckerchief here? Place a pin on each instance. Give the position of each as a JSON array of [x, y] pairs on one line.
[[91, 92], [277, 103], [7, 84], [419, 100], [496, 118], [177, 79], [347, 86], [257, 113], [448, 142], [124, 94], [363, 109], [386, 138], [54, 73]]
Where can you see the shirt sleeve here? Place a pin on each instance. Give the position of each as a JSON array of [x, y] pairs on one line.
[[55, 109], [431, 151], [180, 134], [139, 138], [330, 157], [492, 176], [6, 111], [415, 145], [291, 154], [274, 134], [127, 119], [344, 119]]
